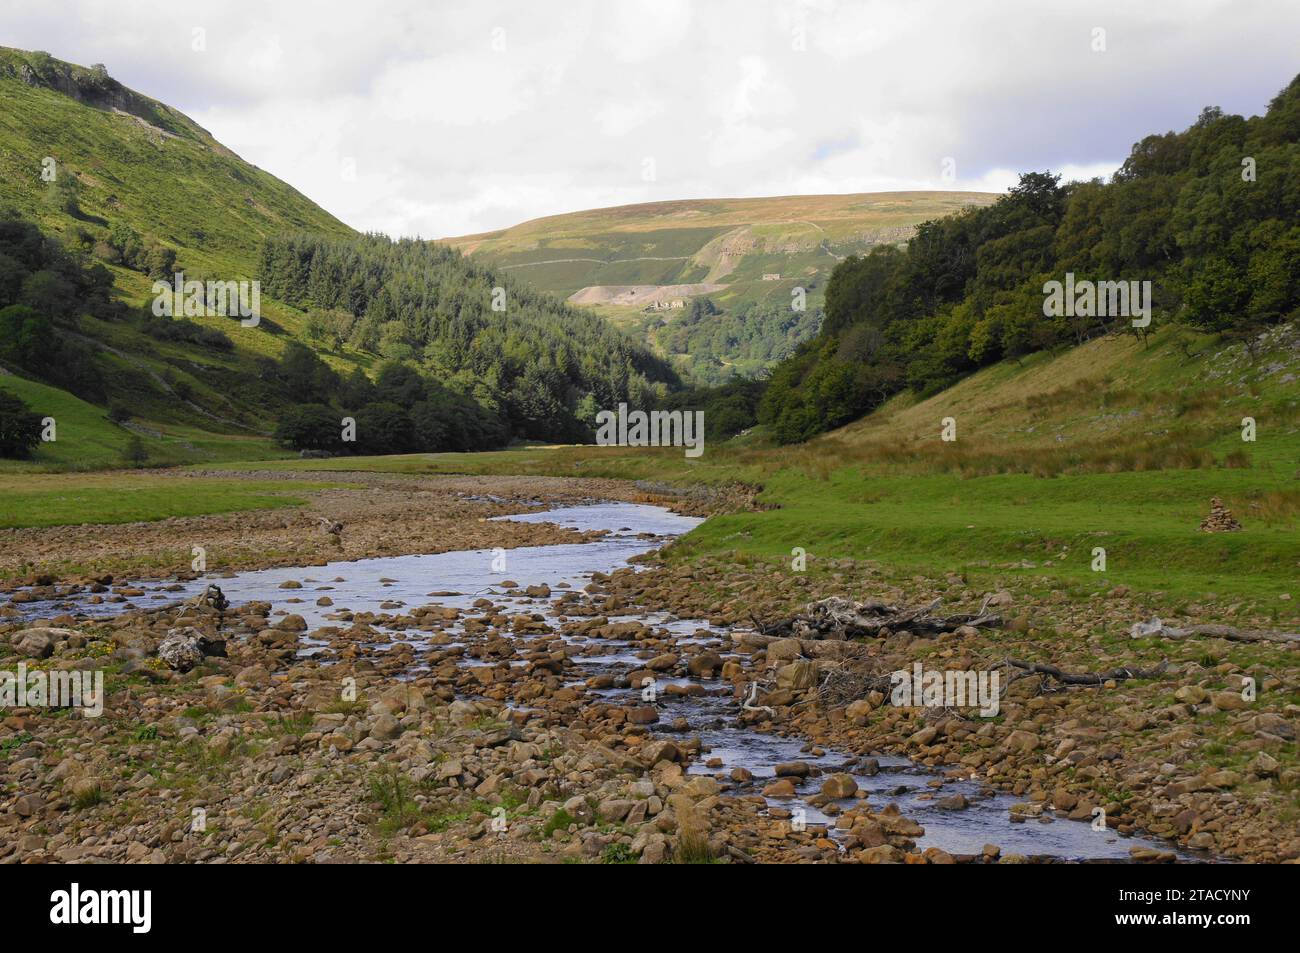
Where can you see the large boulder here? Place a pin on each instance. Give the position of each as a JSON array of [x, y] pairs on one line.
[[186, 647], [39, 642]]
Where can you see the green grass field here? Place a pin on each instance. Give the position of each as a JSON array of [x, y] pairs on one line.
[[80, 499]]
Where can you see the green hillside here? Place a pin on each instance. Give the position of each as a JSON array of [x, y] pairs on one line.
[[137, 162], [104, 190], [122, 163], [746, 256]]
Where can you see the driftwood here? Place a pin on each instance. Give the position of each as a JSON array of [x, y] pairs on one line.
[[839, 618], [1029, 669], [748, 703], [1158, 628]]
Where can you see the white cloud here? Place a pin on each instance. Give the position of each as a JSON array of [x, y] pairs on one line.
[[470, 115]]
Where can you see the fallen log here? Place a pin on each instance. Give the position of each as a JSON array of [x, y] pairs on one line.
[[1083, 678], [1158, 628]]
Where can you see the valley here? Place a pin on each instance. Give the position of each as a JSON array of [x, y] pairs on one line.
[[641, 265], [364, 585]]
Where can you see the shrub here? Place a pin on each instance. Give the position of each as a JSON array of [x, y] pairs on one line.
[[20, 428], [309, 427]]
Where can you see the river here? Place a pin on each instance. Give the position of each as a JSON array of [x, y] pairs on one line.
[[458, 579]]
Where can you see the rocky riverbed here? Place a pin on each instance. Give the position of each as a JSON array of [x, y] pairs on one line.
[[559, 705]]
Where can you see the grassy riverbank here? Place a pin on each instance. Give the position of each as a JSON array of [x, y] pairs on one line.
[[1114, 446]]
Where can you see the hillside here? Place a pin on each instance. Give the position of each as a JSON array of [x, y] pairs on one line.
[[1186, 234], [632, 262], [104, 190], [137, 162], [124, 162]]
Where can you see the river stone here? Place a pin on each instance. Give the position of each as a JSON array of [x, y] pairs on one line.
[[643, 715], [704, 664], [1229, 701], [840, 786], [385, 728], [36, 643]]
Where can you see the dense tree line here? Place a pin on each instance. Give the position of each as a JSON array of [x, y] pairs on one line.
[[718, 345], [1208, 215], [532, 362], [729, 408], [401, 411]]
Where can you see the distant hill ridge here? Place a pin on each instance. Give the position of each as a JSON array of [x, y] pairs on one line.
[[746, 255]]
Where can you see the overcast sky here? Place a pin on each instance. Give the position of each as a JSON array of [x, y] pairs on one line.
[[443, 118]]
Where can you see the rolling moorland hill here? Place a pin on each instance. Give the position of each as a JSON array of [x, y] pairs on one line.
[[105, 190], [745, 255]]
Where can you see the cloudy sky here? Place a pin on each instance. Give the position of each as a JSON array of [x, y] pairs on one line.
[[443, 118]]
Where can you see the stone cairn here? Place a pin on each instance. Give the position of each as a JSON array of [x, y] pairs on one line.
[[1220, 519]]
